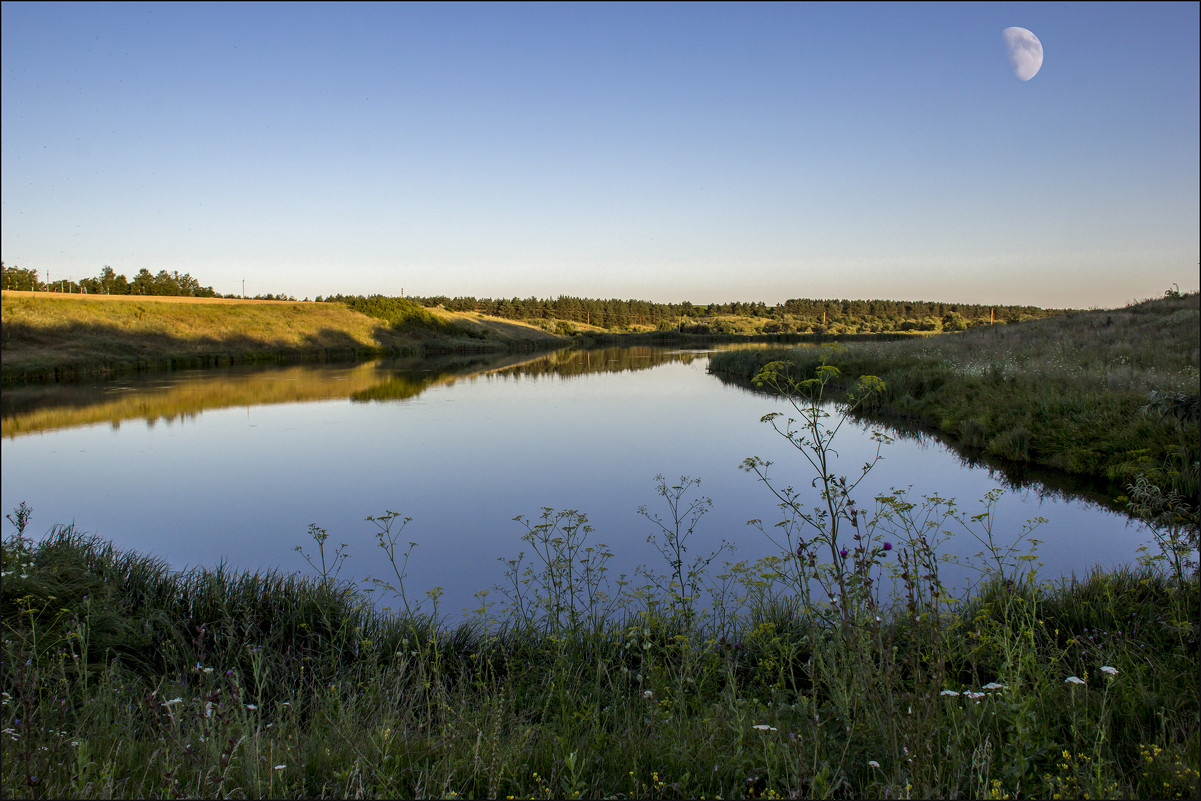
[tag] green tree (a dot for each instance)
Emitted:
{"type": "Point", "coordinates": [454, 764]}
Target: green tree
{"type": "Point", "coordinates": [954, 321]}
{"type": "Point", "coordinates": [143, 283]}
{"type": "Point", "coordinates": [19, 278]}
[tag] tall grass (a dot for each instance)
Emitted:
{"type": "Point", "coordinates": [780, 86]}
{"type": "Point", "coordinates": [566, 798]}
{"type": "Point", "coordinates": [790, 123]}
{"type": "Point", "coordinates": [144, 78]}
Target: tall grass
{"type": "Point", "coordinates": [124, 679]}
{"type": "Point", "coordinates": [1063, 392]}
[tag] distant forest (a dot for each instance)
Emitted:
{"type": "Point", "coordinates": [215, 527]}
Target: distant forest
{"type": "Point", "coordinates": [792, 316]}
{"type": "Point", "coordinates": [563, 314]}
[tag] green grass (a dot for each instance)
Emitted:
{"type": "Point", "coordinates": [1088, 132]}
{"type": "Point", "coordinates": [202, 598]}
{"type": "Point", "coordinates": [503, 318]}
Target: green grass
{"type": "Point", "coordinates": [1062, 392]}
{"type": "Point", "coordinates": [124, 678]}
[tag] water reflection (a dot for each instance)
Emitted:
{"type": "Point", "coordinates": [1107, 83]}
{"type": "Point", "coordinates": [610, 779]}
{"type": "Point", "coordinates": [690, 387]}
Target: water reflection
{"type": "Point", "coordinates": [1044, 483]}
{"type": "Point", "coordinates": [181, 396]}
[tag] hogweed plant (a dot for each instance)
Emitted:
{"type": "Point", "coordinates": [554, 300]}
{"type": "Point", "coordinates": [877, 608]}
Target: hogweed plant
{"type": "Point", "coordinates": [670, 538]}
{"type": "Point", "coordinates": [810, 534]}
{"type": "Point", "coordinates": [329, 571]}
{"type": "Point", "coordinates": [564, 584]}
{"type": "Point", "coordinates": [386, 539]}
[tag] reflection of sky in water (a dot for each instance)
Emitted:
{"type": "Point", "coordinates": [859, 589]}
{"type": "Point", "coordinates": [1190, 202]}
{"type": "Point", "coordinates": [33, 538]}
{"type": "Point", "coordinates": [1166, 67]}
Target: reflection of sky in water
{"type": "Point", "coordinates": [462, 460]}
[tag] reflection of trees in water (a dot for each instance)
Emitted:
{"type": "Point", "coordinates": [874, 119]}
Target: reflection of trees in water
{"type": "Point", "coordinates": [566, 363]}
{"type": "Point", "coordinates": [175, 396]}
{"type": "Point", "coordinates": [410, 379]}
{"type": "Point", "coordinates": [182, 396]}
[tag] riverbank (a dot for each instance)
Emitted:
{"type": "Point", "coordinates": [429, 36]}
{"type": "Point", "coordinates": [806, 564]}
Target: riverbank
{"type": "Point", "coordinates": [1068, 392]}
{"type": "Point", "coordinates": [122, 678]}
{"type": "Point", "coordinates": [49, 337]}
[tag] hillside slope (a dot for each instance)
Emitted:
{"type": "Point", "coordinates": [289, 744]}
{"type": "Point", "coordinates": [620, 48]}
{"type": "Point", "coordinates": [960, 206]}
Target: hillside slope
{"type": "Point", "coordinates": [1072, 393]}
{"type": "Point", "coordinates": [47, 337]}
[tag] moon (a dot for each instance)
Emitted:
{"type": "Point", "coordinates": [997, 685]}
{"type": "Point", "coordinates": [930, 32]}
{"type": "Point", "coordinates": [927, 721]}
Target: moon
{"type": "Point", "coordinates": [1025, 52]}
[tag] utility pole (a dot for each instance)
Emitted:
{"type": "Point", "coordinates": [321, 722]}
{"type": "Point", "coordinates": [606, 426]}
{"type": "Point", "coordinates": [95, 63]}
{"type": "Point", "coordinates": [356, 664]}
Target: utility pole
{"type": "Point", "coordinates": [243, 289]}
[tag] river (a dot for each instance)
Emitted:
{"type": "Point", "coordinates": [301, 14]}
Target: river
{"type": "Point", "coordinates": [234, 465]}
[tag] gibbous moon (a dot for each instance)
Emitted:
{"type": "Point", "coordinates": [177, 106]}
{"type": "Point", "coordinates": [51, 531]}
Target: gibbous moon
{"type": "Point", "coordinates": [1025, 52]}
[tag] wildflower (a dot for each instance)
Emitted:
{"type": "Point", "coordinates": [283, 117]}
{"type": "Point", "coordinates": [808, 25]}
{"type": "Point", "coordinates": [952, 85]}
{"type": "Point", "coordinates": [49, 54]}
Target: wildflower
{"type": "Point", "coordinates": [843, 553]}
{"type": "Point", "coordinates": [647, 694]}
{"type": "Point", "coordinates": [173, 701]}
{"type": "Point", "coordinates": [1112, 671]}
{"type": "Point", "coordinates": [949, 692]}
{"type": "Point", "coordinates": [1073, 680]}
{"type": "Point", "coordinates": [251, 707]}
{"type": "Point", "coordinates": [280, 767]}
{"type": "Point", "coordinates": [871, 763]}
{"type": "Point", "coordinates": [992, 685]}
{"type": "Point", "coordinates": [974, 696]}
{"type": "Point", "coordinates": [764, 727]}
{"type": "Point", "coordinates": [888, 546]}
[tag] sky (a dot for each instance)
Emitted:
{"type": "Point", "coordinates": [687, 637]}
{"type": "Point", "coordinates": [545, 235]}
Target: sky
{"type": "Point", "coordinates": [664, 152]}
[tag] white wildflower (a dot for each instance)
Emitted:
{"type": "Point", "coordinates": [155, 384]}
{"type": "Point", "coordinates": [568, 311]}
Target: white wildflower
{"type": "Point", "coordinates": [764, 727]}
{"type": "Point", "coordinates": [949, 692]}
{"type": "Point", "coordinates": [992, 685]}
{"type": "Point", "coordinates": [1112, 671]}
{"type": "Point", "coordinates": [871, 763]}
{"type": "Point", "coordinates": [1073, 680]}
{"type": "Point", "coordinates": [974, 696]}
{"type": "Point", "coordinates": [251, 707]}
{"type": "Point", "coordinates": [648, 694]}
{"type": "Point", "coordinates": [173, 701]}
{"type": "Point", "coordinates": [280, 767]}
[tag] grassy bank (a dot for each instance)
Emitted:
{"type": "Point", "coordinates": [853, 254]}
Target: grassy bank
{"type": "Point", "coordinates": [1063, 392]}
{"type": "Point", "coordinates": [123, 678]}
{"type": "Point", "coordinates": [52, 337]}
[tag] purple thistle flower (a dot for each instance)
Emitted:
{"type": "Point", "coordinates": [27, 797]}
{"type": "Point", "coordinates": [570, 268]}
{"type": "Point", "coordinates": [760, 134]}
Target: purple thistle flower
{"type": "Point", "coordinates": [843, 553]}
{"type": "Point", "coordinates": [888, 546]}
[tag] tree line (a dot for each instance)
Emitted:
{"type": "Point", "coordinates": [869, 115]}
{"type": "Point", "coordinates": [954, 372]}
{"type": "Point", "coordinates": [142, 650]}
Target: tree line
{"type": "Point", "coordinates": [109, 282]}
{"type": "Point", "coordinates": [797, 315]}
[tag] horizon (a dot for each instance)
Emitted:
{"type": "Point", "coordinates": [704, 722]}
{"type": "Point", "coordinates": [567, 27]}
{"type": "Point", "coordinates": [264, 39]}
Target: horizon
{"type": "Point", "coordinates": [671, 153]}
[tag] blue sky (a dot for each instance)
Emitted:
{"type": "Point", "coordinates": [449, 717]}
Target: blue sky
{"type": "Point", "coordinates": [703, 152]}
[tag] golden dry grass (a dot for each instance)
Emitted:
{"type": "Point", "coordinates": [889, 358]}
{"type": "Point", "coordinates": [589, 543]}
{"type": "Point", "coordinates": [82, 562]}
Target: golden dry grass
{"type": "Point", "coordinates": [51, 335]}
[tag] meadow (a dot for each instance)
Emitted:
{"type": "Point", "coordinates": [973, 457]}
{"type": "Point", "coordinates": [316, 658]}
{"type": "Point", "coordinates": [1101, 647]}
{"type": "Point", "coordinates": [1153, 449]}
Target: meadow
{"type": "Point", "coordinates": [1102, 393]}
{"type": "Point", "coordinates": [50, 337]}
{"type": "Point", "coordinates": [797, 675]}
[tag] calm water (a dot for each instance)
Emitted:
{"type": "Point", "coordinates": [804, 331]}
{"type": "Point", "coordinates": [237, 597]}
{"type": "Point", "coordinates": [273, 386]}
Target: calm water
{"type": "Point", "coordinates": [234, 465]}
